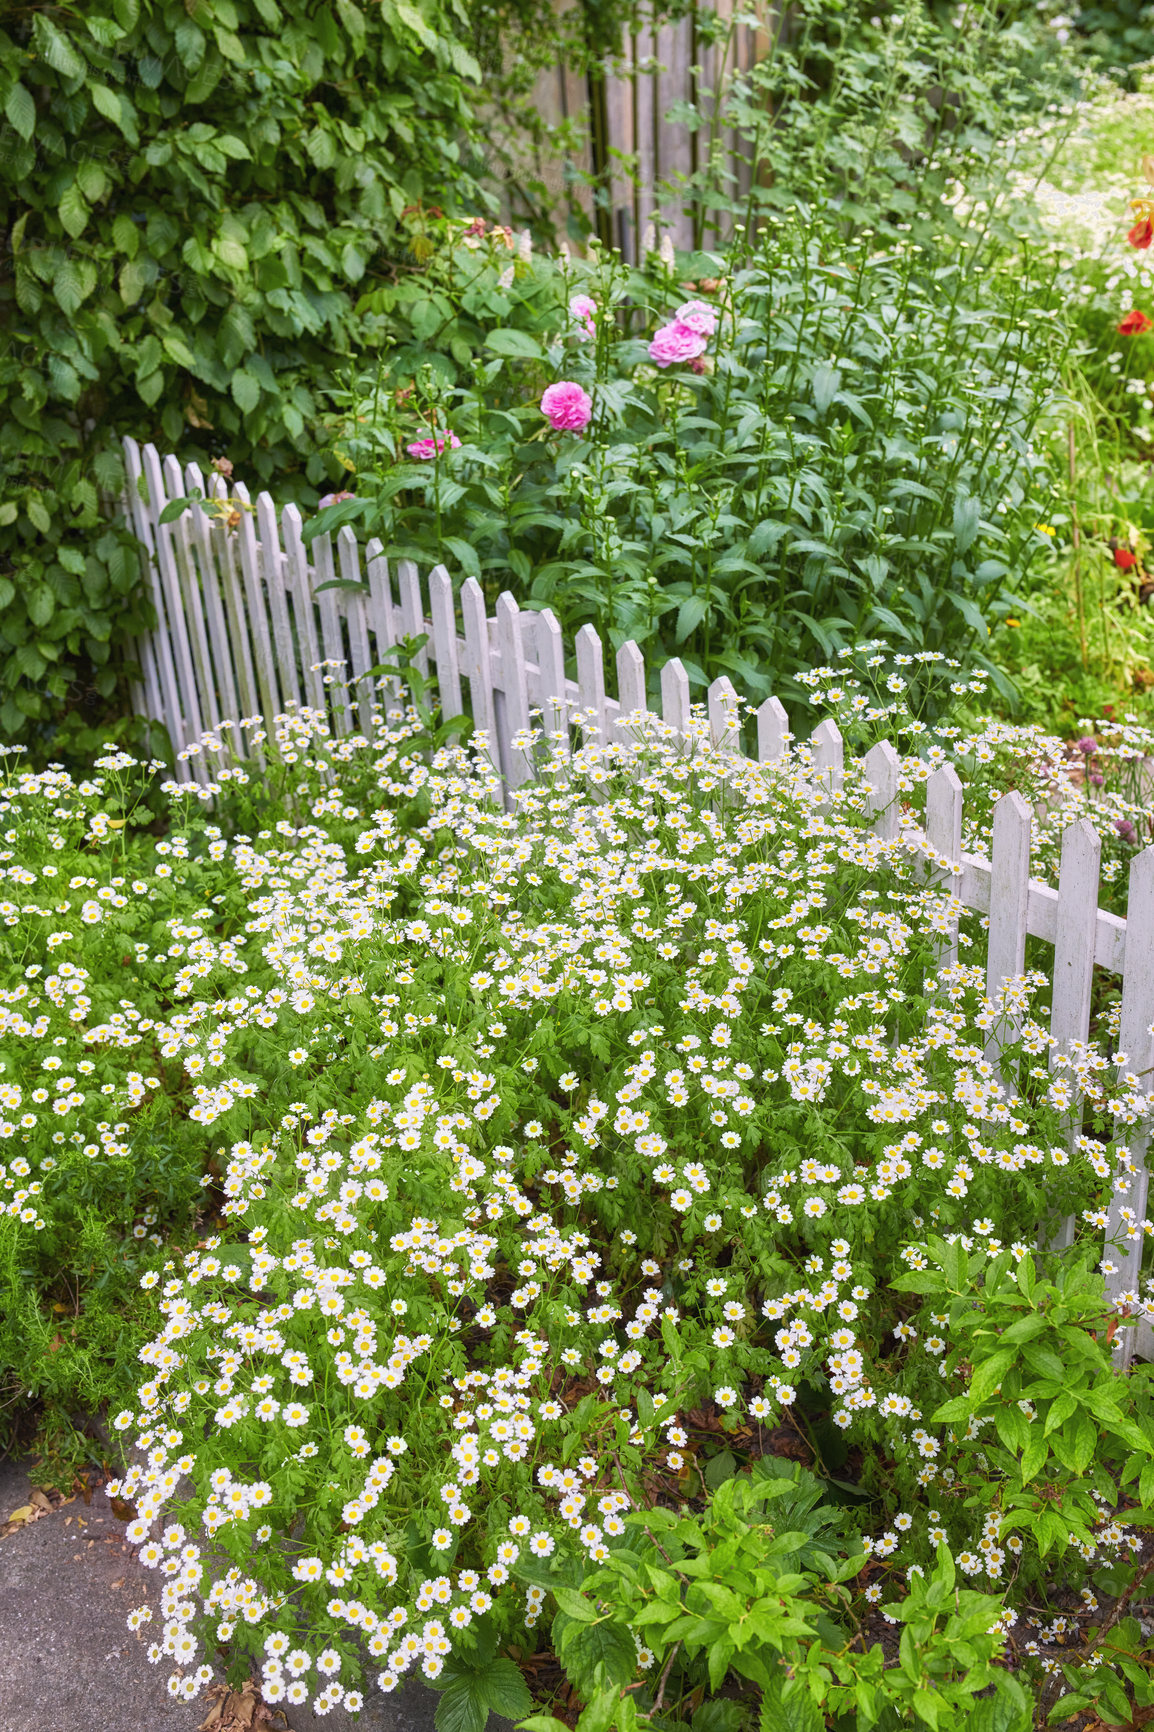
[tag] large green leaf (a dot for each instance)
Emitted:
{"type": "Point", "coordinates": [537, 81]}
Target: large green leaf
{"type": "Point", "coordinates": [518, 345]}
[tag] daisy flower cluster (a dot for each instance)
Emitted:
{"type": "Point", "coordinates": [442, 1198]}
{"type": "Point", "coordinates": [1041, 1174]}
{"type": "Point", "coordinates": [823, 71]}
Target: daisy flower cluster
{"type": "Point", "coordinates": [534, 1135]}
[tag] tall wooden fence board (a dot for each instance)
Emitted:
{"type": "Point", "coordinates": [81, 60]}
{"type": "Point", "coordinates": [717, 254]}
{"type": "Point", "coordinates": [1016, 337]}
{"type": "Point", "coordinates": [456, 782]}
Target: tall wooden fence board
{"type": "Point", "coordinates": [241, 631]}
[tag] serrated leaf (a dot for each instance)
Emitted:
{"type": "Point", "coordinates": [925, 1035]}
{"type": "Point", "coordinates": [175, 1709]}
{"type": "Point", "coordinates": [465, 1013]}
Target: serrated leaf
{"type": "Point", "coordinates": [114, 108]}
{"type": "Point", "coordinates": [20, 111]}
{"type": "Point", "coordinates": [55, 48]}
{"type": "Point", "coordinates": [787, 1706]}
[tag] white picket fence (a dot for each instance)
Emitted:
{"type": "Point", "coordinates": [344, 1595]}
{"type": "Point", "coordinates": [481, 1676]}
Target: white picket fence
{"type": "Point", "coordinates": [240, 632]}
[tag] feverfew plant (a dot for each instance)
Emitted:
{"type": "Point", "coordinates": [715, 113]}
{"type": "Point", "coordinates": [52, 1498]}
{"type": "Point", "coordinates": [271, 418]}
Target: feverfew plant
{"type": "Point", "coordinates": [542, 1131]}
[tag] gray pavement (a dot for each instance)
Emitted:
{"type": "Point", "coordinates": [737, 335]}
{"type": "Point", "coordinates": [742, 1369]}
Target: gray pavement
{"type": "Point", "coordinates": [68, 1663]}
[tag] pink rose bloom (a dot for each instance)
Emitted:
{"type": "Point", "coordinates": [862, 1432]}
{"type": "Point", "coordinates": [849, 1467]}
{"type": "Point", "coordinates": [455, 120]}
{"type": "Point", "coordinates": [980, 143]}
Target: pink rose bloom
{"type": "Point", "coordinates": [334, 499]}
{"type": "Point", "coordinates": [675, 344]}
{"type": "Point", "coordinates": [699, 316]}
{"type": "Point", "coordinates": [567, 407]}
{"type": "Point", "coordinates": [426, 449]}
{"type": "Point", "coordinates": [583, 310]}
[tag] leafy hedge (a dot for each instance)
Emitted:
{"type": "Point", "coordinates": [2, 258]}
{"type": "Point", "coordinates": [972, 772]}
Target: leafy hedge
{"type": "Point", "coordinates": [191, 197]}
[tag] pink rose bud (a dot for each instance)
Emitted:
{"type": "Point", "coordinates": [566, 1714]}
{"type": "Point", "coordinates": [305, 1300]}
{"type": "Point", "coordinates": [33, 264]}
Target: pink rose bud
{"type": "Point", "coordinates": [675, 344]}
{"type": "Point", "coordinates": [567, 407]}
{"type": "Point", "coordinates": [334, 499]}
{"type": "Point", "coordinates": [427, 449]}
{"type": "Point", "coordinates": [699, 316]}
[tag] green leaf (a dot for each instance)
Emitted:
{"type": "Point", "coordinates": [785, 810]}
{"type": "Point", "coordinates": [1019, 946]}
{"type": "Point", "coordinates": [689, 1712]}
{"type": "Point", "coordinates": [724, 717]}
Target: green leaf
{"type": "Point", "coordinates": [20, 111]}
{"type": "Point", "coordinates": [826, 380]}
{"type": "Point", "coordinates": [74, 281]}
{"type": "Point", "coordinates": [245, 390]}
{"type": "Point", "coordinates": [1035, 1454]}
{"type": "Point", "coordinates": [55, 48]}
{"type": "Point", "coordinates": [576, 1605]}
{"type": "Point", "coordinates": [787, 1706]}
{"type": "Point", "coordinates": [1012, 1427]}
{"type": "Point", "coordinates": [690, 615]}
{"type": "Point", "coordinates": [1007, 1710]}
{"type": "Point", "coordinates": [463, 1707]}
{"type": "Point", "coordinates": [74, 210]}
{"type": "Point", "coordinates": [505, 1689]}
{"type": "Point", "coordinates": [41, 604]}
{"type": "Point", "coordinates": [517, 344]}
{"type": "Point", "coordinates": [967, 517]}
{"type": "Point", "coordinates": [115, 108]}
{"type": "Point", "coordinates": [990, 1372]}
{"type": "Point", "coordinates": [465, 554]}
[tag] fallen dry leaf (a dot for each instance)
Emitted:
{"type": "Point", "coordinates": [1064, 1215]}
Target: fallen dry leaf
{"type": "Point", "coordinates": [118, 1583]}
{"type": "Point", "coordinates": [42, 1503]}
{"type": "Point", "coordinates": [240, 1710]}
{"type": "Point", "coordinates": [124, 1512]}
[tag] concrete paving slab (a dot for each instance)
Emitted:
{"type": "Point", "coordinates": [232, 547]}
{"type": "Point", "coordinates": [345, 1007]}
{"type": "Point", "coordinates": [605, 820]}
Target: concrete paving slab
{"type": "Point", "coordinates": [68, 1662]}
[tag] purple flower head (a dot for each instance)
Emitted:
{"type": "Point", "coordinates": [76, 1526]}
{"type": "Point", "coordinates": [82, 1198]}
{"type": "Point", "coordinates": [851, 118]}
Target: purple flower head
{"type": "Point", "coordinates": [334, 499]}
{"type": "Point", "coordinates": [1088, 746]}
{"type": "Point", "coordinates": [1125, 829]}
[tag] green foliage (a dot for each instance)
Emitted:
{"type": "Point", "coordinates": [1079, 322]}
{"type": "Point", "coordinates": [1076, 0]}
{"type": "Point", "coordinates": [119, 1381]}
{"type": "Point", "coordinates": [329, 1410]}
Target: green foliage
{"type": "Point", "coordinates": [191, 199]}
{"type": "Point", "coordinates": [847, 462]}
{"type": "Point", "coordinates": [1037, 1356]}
{"type": "Point", "coordinates": [757, 1586]}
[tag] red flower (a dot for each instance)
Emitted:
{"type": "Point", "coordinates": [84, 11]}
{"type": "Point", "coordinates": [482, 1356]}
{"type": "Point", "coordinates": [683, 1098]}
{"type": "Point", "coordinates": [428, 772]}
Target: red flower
{"type": "Point", "coordinates": [1142, 233]}
{"type": "Point", "coordinates": [1135, 323]}
{"type": "Point", "coordinates": [1124, 559]}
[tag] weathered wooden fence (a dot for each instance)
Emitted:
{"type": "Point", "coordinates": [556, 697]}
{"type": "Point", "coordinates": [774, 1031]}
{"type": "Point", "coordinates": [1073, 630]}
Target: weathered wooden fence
{"type": "Point", "coordinates": [241, 633]}
{"type": "Point", "coordinates": [638, 113]}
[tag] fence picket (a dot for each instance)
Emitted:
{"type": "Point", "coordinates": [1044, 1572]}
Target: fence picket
{"type": "Point", "coordinates": [1137, 1042]}
{"type": "Point", "coordinates": [882, 771]}
{"type": "Point", "coordinates": [630, 686]}
{"type": "Point", "coordinates": [257, 608]}
{"type": "Point", "coordinates": [476, 666]}
{"type": "Point", "coordinates": [332, 642]}
{"type": "Point", "coordinates": [356, 618]}
{"type": "Point", "coordinates": [412, 612]}
{"type": "Point", "coordinates": [675, 710]}
{"type": "Point", "coordinates": [772, 731]}
{"type": "Point", "coordinates": [591, 683]}
{"type": "Point", "coordinates": [444, 634]}
{"type": "Point", "coordinates": [828, 753]}
{"type": "Point", "coordinates": [154, 652]}
{"type": "Point", "coordinates": [222, 557]}
{"type": "Point", "coordinates": [551, 678]}
{"type": "Point", "coordinates": [513, 710]}
{"type": "Point", "coordinates": [1009, 892]}
{"type": "Point", "coordinates": [1073, 975]}
{"type": "Point", "coordinates": [299, 586]}
{"type": "Point", "coordinates": [185, 694]}
{"type": "Point", "coordinates": [944, 835]}
{"type": "Point", "coordinates": [724, 716]}
{"type": "Point", "coordinates": [273, 584]}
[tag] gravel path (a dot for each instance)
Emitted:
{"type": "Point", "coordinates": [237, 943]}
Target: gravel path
{"type": "Point", "coordinates": [67, 1661]}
